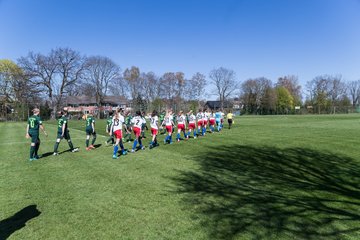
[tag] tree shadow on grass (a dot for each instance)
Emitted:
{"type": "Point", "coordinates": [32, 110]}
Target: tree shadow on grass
{"type": "Point", "coordinates": [270, 193]}
{"type": "Point", "coordinates": [17, 221]}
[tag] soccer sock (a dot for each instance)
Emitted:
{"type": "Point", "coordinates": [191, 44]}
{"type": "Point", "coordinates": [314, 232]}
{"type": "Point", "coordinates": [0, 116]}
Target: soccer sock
{"type": "Point", "coordinates": [140, 142]}
{"type": "Point", "coordinates": [71, 146]}
{"type": "Point", "coordinates": [135, 143]}
{"type": "Point", "coordinates": [37, 146]}
{"type": "Point", "coordinates": [178, 136]}
{"type": "Point", "coordinates": [93, 140]}
{"type": "Point", "coordinates": [116, 148]}
{"type": "Point", "coordinates": [194, 133]}
{"type": "Point", "coordinates": [87, 142]}
{"type": "Point", "coordinates": [32, 150]}
{"type": "Point", "coordinates": [184, 134]}
{"type": "Point", "coordinates": [170, 139]}
{"type": "Point", "coordinates": [121, 146]}
{"type": "Point", "coordinates": [56, 146]}
{"type": "Point", "coordinates": [110, 139]}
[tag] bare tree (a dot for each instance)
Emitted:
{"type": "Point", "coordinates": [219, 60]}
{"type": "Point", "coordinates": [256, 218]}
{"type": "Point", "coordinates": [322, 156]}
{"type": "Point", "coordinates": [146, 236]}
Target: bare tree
{"type": "Point", "coordinates": [168, 85]}
{"type": "Point", "coordinates": [70, 68]}
{"type": "Point", "coordinates": [101, 72]}
{"type": "Point", "coordinates": [132, 76]}
{"type": "Point", "coordinates": [150, 86]}
{"type": "Point", "coordinates": [41, 71]}
{"type": "Point", "coordinates": [354, 91]}
{"type": "Point", "coordinates": [196, 86]}
{"type": "Point", "coordinates": [119, 87]}
{"type": "Point", "coordinates": [319, 91]}
{"type": "Point", "coordinates": [224, 81]}
{"type": "Point", "coordinates": [337, 89]}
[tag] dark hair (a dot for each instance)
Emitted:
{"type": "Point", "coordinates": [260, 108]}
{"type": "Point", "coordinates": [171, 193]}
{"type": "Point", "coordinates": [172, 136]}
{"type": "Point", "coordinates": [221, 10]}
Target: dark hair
{"type": "Point", "coordinates": [154, 113]}
{"type": "Point", "coordinates": [138, 113]}
{"type": "Point", "coordinates": [111, 113]}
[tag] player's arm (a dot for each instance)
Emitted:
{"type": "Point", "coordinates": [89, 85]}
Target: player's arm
{"type": "Point", "coordinates": [93, 125]}
{"type": "Point", "coordinates": [27, 131]}
{"type": "Point", "coordinates": [111, 128]}
{"type": "Point", "coordinates": [63, 128]}
{"type": "Point", "coordinates": [43, 129]}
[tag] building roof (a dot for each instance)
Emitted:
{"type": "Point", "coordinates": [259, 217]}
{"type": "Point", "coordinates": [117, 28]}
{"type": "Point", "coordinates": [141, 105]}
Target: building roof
{"type": "Point", "coordinates": [217, 104]}
{"type": "Point", "coordinates": [77, 100]}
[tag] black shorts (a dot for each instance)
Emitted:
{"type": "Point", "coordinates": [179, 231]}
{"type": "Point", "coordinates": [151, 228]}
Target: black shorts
{"type": "Point", "coordinates": [66, 135]}
{"type": "Point", "coordinates": [230, 121]}
{"type": "Point", "coordinates": [34, 137]}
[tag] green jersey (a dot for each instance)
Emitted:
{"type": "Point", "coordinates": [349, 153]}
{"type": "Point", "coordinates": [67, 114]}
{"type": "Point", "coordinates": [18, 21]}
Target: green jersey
{"type": "Point", "coordinates": [109, 122]}
{"type": "Point", "coordinates": [161, 117]}
{"type": "Point", "coordinates": [128, 120]}
{"type": "Point", "coordinates": [89, 121]}
{"type": "Point", "coordinates": [61, 121]}
{"type": "Point", "coordinates": [34, 124]}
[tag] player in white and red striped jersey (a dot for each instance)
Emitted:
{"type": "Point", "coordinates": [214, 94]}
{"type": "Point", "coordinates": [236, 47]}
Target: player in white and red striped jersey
{"type": "Point", "coordinates": [212, 121]}
{"type": "Point", "coordinates": [154, 125]}
{"type": "Point", "coordinates": [137, 122]}
{"type": "Point", "coordinates": [200, 122]}
{"type": "Point", "coordinates": [206, 117]}
{"type": "Point", "coordinates": [181, 125]}
{"type": "Point", "coordinates": [116, 130]}
{"type": "Point", "coordinates": [169, 124]}
{"type": "Point", "coordinates": [192, 123]}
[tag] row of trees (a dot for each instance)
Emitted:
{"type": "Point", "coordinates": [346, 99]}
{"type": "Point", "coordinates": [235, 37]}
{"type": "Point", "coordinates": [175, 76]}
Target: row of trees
{"type": "Point", "coordinates": [49, 78]}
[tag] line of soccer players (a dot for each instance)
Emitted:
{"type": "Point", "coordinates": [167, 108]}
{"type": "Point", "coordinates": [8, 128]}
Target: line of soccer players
{"type": "Point", "coordinates": [197, 124]}
{"type": "Point", "coordinates": [118, 121]}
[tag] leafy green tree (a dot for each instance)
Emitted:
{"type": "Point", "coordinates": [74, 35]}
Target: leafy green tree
{"type": "Point", "coordinates": [284, 100]}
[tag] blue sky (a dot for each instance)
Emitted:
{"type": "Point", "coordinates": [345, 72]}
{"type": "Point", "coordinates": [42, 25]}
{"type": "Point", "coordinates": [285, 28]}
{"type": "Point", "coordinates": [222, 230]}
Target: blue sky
{"type": "Point", "coordinates": [255, 38]}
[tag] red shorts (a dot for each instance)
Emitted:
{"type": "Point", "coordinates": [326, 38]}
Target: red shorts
{"type": "Point", "coordinates": [169, 129]}
{"type": "Point", "coordinates": [181, 127]}
{"type": "Point", "coordinates": [137, 131]}
{"type": "Point", "coordinates": [154, 131]}
{"type": "Point", "coordinates": [118, 134]}
{"type": "Point", "coordinates": [200, 123]}
{"type": "Point", "coordinates": [205, 122]}
{"type": "Point", "coordinates": [191, 125]}
{"type": "Point", "coordinates": [212, 121]}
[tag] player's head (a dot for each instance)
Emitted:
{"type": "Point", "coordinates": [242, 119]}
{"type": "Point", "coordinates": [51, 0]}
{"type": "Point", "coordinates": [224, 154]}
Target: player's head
{"type": "Point", "coordinates": [111, 113]}
{"type": "Point", "coordinates": [84, 117]}
{"type": "Point", "coordinates": [154, 113]}
{"type": "Point", "coordinates": [36, 111]}
{"type": "Point", "coordinates": [138, 113]}
{"type": "Point", "coordinates": [59, 114]}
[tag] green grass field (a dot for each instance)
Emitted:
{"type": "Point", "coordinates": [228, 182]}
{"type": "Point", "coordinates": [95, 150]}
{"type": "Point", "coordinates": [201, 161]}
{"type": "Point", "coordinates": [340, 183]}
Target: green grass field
{"type": "Point", "coordinates": [270, 177]}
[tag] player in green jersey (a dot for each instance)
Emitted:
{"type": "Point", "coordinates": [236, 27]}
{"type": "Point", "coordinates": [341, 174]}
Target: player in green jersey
{"type": "Point", "coordinates": [32, 131]}
{"type": "Point", "coordinates": [109, 121]}
{"type": "Point", "coordinates": [144, 125]}
{"type": "Point", "coordinates": [63, 132]}
{"type": "Point", "coordinates": [128, 118]}
{"type": "Point", "coordinates": [90, 130]}
{"type": "Point", "coordinates": [161, 121]}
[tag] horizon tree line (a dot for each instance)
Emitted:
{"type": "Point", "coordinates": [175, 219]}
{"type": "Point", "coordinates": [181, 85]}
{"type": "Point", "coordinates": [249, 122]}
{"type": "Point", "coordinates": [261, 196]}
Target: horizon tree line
{"type": "Point", "coordinates": [49, 78]}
